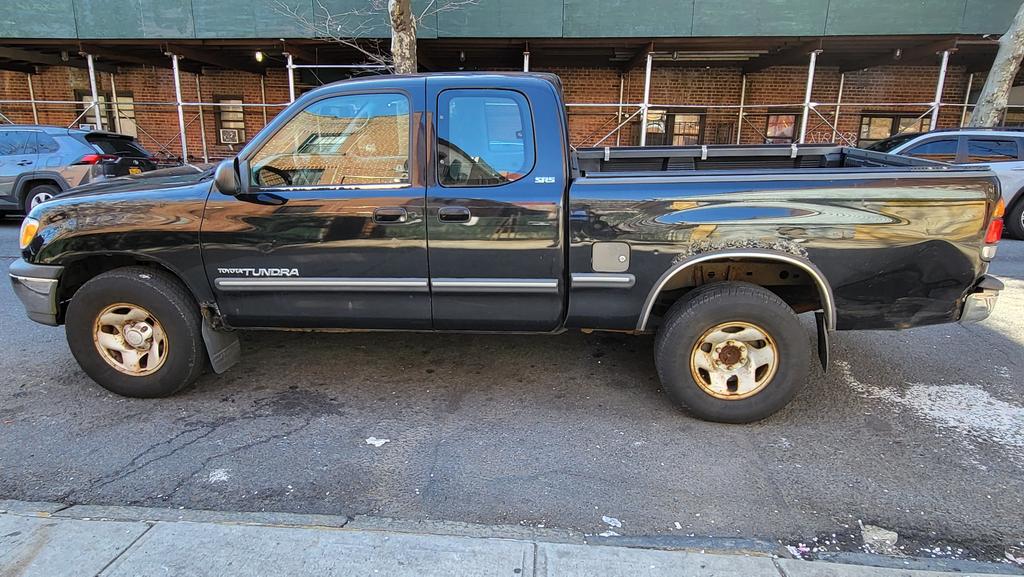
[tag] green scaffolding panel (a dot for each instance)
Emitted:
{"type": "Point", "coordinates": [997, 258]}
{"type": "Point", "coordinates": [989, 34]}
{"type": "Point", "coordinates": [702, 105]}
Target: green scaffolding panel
{"type": "Point", "coordinates": [135, 19]}
{"type": "Point", "coordinates": [763, 18]}
{"type": "Point", "coordinates": [38, 19]}
{"type": "Point", "coordinates": [873, 17]}
{"type": "Point", "coordinates": [989, 16]}
{"type": "Point", "coordinates": [616, 18]}
{"type": "Point", "coordinates": [500, 19]}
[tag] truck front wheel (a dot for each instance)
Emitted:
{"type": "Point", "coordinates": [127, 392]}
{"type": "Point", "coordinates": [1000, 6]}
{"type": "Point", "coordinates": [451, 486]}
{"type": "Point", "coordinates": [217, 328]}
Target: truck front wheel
{"type": "Point", "coordinates": [137, 332]}
{"type": "Point", "coordinates": [732, 352]}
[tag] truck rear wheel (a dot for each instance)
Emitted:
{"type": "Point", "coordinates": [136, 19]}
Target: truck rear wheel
{"type": "Point", "coordinates": [137, 332]}
{"type": "Point", "coordinates": [732, 352]}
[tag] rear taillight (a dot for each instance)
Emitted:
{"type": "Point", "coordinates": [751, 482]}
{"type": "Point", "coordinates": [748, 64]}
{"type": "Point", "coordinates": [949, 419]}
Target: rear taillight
{"type": "Point", "coordinates": [995, 226]}
{"type": "Point", "coordinates": [95, 158]}
{"type": "Point", "coordinates": [994, 232]}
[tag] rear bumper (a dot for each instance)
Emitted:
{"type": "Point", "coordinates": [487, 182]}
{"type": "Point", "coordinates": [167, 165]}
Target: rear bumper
{"type": "Point", "coordinates": [36, 288]}
{"type": "Point", "coordinates": [980, 304]}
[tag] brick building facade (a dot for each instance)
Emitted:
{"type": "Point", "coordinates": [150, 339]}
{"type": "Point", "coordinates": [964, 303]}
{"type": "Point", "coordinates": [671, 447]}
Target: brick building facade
{"type": "Point", "coordinates": [711, 97]}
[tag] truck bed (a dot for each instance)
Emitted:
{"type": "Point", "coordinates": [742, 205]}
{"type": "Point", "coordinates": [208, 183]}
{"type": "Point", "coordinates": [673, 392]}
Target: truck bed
{"type": "Point", "coordinates": [596, 162]}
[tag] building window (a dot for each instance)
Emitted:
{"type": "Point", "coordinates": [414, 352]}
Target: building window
{"type": "Point", "coordinates": [87, 115]}
{"type": "Point", "coordinates": [676, 129]}
{"type": "Point", "coordinates": [781, 128]}
{"type": "Point", "coordinates": [230, 120]}
{"type": "Point", "coordinates": [876, 127]}
{"type": "Point", "coordinates": [124, 115]}
{"type": "Point", "coordinates": [120, 118]}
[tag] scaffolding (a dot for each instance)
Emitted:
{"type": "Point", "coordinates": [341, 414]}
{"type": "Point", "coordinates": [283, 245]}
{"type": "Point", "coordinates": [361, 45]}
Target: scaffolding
{"type": "Point", "coordinates": [615, 117]}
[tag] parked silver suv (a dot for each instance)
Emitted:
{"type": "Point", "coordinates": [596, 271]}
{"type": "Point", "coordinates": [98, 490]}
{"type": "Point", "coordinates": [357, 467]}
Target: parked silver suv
{"type": "Point", "coordinates": [1000, 148]}
{"type": "Point", "coordinates": [38, 162]}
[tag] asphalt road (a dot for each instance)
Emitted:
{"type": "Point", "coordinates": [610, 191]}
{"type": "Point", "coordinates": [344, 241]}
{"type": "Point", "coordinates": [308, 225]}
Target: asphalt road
{"type": "Point", "coordinates": [920, 431]}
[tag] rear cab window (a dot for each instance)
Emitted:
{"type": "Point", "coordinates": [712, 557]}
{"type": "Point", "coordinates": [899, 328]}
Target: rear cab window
{"type": "Point", "coordinates": [484, 137]}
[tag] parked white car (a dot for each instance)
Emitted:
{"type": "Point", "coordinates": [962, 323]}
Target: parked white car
{"type": "Point", "coordinates": [1000, 148]}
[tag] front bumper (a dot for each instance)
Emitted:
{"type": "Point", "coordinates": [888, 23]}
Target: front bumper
{"type": "Point", "coordinates": [980, 304]}
{"type": "Point", "coordinates": [36, 287]}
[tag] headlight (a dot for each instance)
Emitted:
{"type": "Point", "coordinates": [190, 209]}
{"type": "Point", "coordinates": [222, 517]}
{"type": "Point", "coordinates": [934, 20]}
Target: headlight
{"type": "Point", "coordinates": [29, 227]}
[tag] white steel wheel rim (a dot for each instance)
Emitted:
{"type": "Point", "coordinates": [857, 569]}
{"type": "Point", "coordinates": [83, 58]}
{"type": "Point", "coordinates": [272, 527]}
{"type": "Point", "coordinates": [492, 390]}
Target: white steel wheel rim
{"type": "Point", "coordinates": [39, 199]}
{"type": "Point", "coordinates": [130, 339]}
{"type": "Point", "coordinates": [734, 360]}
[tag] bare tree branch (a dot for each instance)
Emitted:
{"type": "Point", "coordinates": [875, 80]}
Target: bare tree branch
{"type": "Point", "coordinates": [354, 28]}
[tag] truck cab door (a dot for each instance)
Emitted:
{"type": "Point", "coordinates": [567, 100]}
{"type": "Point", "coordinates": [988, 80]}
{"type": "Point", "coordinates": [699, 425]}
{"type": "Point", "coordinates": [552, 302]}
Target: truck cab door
{"type": "Point", "coordinates": [494, 205]}
{"type": "Point", "coordinates": [330, 232]}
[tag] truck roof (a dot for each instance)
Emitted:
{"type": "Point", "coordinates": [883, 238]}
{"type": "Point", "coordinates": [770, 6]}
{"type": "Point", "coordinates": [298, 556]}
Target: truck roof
{"type": "Point", "coordinates": [545, 76]}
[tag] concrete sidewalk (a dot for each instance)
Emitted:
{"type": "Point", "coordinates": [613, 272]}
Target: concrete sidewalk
{"type": "Point", "coordinates": [52, 540]}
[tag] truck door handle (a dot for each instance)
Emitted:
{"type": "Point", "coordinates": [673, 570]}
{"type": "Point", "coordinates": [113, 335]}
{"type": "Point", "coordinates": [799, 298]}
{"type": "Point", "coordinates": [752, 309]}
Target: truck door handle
{"type": "Point", "coordinates": [390, 215]}
{"type": "Point", "coordinates": [453, 214]}
{"type": "Point", "coordinates": [24, 162]}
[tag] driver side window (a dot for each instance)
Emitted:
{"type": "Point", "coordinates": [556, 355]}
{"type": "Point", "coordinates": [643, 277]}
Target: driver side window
{"type": "Point", "coordinates": [343, 140]}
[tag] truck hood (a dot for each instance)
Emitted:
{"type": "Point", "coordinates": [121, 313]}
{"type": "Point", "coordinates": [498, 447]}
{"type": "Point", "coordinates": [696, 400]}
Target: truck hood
{"type": "Point", "coordinates": [149, 181]}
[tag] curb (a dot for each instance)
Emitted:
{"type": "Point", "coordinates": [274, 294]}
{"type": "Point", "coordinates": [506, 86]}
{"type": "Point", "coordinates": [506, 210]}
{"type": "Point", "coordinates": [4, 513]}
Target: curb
{"type": "Point", "coordinates": [622, 547]}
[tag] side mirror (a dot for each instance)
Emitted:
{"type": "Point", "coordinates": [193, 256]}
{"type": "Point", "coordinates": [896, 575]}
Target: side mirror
{"type": "Point", "coordinates": [227, 179]}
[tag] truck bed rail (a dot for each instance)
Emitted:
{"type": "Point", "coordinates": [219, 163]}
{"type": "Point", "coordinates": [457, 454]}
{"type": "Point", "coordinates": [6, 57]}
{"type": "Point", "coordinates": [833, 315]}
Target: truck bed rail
{"type": "Point", "coordinates": [596, 162]}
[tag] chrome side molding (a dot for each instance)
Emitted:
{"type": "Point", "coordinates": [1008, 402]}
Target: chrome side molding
{"type": "Point", "coordinates": [492, 285]}
{"type": "Point", "coordinates": [323, 284]}
{"type": "Point", "coordinates": [583, 280]}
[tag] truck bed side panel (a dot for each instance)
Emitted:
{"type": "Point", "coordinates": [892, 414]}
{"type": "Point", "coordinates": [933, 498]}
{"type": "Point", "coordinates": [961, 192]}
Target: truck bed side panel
{"type": "Point", "coordinates": [898, 250]}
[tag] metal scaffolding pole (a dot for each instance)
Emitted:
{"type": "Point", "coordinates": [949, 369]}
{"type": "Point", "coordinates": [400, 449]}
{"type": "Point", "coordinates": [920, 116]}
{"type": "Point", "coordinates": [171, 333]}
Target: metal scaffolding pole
{"type": "Point", "coordinates": [113, 98]}
{"type": "Point", "coordinates": [32, 99]}
{"type": "Point", "coordinates": [743, 101]}
{"type": "Point", "coordinates": [967, 100]}
{"type": "Point", "coordinates": [181, 109]}
{"type": "Point", "coordinates": [618, 115]}
{"type": "Point", "coordinates": [263, 97]}
{"type": "Point", "coordinates": [95, 93]}
{"type": "Point", "coordinates": [807, 95]}
{"type": "Point", "coordinates": [647, 100]}
{"type": "Point", "coordinates": [291, 77]}
{"type": "Point", "coordinates": [202, 119]}
{"type": "Point", "coordinates": [839, 104]}
{"type": "Point", "coordinates": [937, 104]}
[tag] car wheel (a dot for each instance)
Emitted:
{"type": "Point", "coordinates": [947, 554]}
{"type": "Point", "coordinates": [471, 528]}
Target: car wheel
{"type": "Point", "coordinates": [732, 352]}
{"type": "Point", "coordinates": [1015, 220]}
{"type": "Point", "coordinates": [137, 332]}
{"type": "Point", "coordinates": [39, 194]}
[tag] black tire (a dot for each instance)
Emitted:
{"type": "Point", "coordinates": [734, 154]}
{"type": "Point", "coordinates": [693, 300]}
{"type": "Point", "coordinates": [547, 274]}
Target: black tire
{"type": "Point", "coordinates": [709, 306]}
{"type": "Point", "coordinates": [1015, 219]}
{"type": "Point", "coordinates": [169, 303]}
{"type": "Point", "coordinates": [36, 191]}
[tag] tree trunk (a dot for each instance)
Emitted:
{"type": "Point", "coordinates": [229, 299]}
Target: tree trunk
{"type": "Point", "coordinates": [403, 36]}
{"type": "Point", "coordinates": [992, 101]}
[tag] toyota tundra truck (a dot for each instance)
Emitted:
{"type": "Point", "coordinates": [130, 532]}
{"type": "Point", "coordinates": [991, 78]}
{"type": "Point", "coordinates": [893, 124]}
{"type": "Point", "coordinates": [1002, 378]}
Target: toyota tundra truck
{"type": "Point", "coordinates": [455, 202]}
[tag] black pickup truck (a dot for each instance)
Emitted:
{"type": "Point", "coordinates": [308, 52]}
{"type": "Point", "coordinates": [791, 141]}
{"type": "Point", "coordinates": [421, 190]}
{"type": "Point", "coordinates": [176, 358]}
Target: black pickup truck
{"type": "Point", "coordinates": [454, 202]}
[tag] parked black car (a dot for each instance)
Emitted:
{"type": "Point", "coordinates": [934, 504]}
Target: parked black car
{"type": "Point", "coordinates": [38, 162]}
